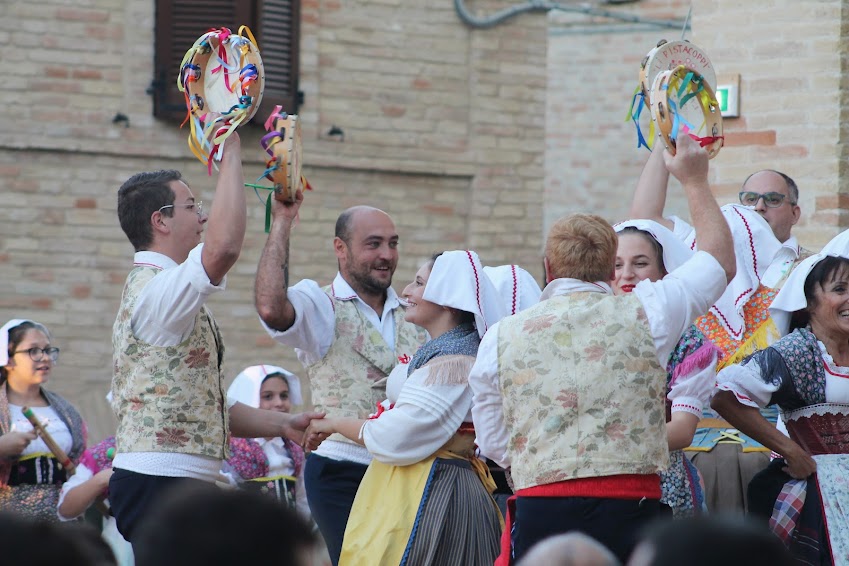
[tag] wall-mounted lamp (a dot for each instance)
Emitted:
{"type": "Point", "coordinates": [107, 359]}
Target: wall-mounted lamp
{"type": "Point", "coordinates": [121, 118]}
{"type": "Point", "coordinates": [336, 131]}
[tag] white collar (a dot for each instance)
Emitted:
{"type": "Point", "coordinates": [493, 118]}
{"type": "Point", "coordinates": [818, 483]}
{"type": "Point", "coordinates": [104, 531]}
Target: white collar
{"type": "Point", "coordinates": [566, 286]}
{"type": "Point", "coordinates": [792, 244]}
{"type": "Point", "coordinates": [153, 259]}
{"type": "Point", "coordinates": [344, 292]}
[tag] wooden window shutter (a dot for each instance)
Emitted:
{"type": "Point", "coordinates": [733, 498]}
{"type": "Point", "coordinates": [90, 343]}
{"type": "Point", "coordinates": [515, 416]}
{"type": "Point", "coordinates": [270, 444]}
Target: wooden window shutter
{"type": "Point", "coordinates": [180, 22]}
{"type": "Point", "coordinates": [278, 34]}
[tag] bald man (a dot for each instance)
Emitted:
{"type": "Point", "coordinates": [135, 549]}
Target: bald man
{"type": "Point", "coordinates": [348, 335]}
{"type": "Point", "coordinates": [773, 195]}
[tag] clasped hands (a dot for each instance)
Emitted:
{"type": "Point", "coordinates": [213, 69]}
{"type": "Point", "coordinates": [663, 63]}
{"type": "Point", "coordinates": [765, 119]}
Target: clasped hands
{"type": "Point", "coordinates": [318, 430]}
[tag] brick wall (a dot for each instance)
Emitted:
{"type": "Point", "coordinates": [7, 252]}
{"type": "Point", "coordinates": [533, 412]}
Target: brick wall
{"type": "Point", "coordinates": [444, 129]}
{"type": "Point", "coordinates": [790, 60]}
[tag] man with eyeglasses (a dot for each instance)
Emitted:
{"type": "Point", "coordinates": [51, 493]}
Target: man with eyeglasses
{"type": "Point", "coordinates": [174, 421]}
{"type": "Point", "coordinates": [773, 195]}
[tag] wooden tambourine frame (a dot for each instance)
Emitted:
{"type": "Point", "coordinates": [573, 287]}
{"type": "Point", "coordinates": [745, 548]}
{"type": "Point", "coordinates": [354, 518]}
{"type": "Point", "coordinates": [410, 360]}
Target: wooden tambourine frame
{"type": "Point", "coordinates": [283, 145]}
{"type": "Point", "coordinates": [667, 55]}
{"type": "Point", "coordinates": [223, 79]}
{"type": "Point", "coordinates": [683, 102]}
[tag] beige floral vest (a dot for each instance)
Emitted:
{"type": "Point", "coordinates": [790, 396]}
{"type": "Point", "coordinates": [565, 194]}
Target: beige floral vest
{"type": "Point", "coordinates": [350, 379]}
{"type": "Point", "coordinates": [168, 399]}
{"type": "Point", "coordinates": [583, 392]}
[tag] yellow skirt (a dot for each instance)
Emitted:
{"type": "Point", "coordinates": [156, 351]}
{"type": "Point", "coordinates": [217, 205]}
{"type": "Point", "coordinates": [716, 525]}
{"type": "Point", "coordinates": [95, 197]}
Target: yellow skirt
{"type": "Point", "coordinates": [384, 512]}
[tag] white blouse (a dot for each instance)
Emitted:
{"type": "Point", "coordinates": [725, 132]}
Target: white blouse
{"type": "Point", "coordinates": [424, 417]}
{"type": "Point", "coordinates": [689, 393]}
{"type": "Point", "coordinates": [751, 390]}
{"type": "Point", "coordinates": [50, 419]}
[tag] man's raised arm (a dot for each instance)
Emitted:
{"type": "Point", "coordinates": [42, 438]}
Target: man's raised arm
{"type": "Point", "coordinates": [690, 166]}
{"type": "Point", "coordinates": [650, 195]}
{"type": "Point", "coordinates": [272, 275]}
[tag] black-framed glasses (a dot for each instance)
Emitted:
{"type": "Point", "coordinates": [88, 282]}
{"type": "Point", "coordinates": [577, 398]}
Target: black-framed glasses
{"type": "Point", "coordinates": [197, 206]}
{"type": "Point", "coordinates": [37, 354]}
{"type": "Point", "coordinates": [772, 200]}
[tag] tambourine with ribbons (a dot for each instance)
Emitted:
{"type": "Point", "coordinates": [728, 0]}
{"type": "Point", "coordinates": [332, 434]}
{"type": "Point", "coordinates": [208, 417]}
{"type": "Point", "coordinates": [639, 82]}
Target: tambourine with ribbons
{"type": "Point", "coordinates": [222, 78]}
{"type": "Point", "coordinates": [682, 102]}
{"type": "Point", "coordinates": [282, 143]}
{"type": "Point", "coordinates": [665, 56]}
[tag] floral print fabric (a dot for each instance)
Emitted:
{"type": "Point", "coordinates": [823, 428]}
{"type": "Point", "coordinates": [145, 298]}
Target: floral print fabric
{"type": "Point", "coordinates": [584, 394]}
{"type": "Point", "coordinates": [168, 399]}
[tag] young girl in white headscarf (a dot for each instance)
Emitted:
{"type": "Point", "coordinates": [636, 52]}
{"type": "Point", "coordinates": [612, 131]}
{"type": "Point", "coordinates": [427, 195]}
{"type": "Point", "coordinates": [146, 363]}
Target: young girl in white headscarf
{"type": "Point", "coordinates": [31, 476]}
{"type": "Point", "coordinates": [269, 465]}
{"type": "Point", "coordinates": [425, 498]}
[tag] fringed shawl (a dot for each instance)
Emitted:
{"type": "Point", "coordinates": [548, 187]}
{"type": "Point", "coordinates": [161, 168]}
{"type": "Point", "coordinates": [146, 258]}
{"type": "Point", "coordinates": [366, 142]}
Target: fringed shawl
{"type": "Point", "coordinates": [462, 340]}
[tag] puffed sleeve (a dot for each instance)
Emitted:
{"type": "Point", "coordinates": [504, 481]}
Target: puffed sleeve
{"type": "Point", "coordinates": [431, 406]}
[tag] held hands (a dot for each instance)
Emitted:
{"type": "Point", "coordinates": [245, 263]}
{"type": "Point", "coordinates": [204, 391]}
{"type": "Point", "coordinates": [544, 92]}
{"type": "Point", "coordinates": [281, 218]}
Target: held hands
{"type": "Point", "coordinates": [295, 425]}
{"type": "Point", "coordinates": [317, 432]}
{"type": "Point", "coordinates": [690, 162]}
{"type": "Point", "coordinates": [13, 443]}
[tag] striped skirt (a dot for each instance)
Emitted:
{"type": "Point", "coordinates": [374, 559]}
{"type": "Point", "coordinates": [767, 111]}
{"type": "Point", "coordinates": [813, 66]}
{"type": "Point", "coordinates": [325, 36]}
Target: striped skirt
{"type": "Point", "coordinates": [457, 523]}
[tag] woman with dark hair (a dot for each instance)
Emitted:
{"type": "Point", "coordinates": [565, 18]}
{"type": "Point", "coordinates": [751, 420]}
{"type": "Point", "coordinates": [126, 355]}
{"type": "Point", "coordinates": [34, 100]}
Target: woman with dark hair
{"type": "Point", "coordinates": [648, 251]}
{"type": "Point", "coordinates": [425, 498]}
{"type": "Point", "coordinates": [31, 477]}
{"type": "Point", "coordinates": [806, 375]}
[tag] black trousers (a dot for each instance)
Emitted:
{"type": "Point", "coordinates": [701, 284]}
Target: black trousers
{"type": "Point", "coordinates": [132, 496]}
{"type": "Point", "coordinates": [615, 523]}
{"type": "Point", "coordinates": [331, 486]}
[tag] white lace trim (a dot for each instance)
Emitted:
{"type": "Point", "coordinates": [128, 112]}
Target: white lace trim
{"type": "Point", "coordinates": [829, 361]}
{"type": "Point", "coordinates": [820, 409]}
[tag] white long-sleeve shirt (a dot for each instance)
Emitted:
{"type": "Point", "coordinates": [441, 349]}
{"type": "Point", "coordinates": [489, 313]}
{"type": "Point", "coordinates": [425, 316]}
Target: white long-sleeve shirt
{"type": "Point", "coordinates": [671, 306]}
{"type": "Point", "coordinates": [311, 335]}
{"type": "Point", "coordinates": [164, 315]}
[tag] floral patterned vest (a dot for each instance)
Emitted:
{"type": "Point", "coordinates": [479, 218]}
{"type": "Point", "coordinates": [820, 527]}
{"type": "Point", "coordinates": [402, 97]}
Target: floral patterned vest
{"type": "Point", "coordinates": [583, 391]}
{"type": "Point", "coordinates": [350, 380]}
{"type": "Point", "coordinates": [168, 399]}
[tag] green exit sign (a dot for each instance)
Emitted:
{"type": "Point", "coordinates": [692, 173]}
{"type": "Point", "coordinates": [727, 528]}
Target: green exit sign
{"type": "Point", "coordinates": [729, 100]}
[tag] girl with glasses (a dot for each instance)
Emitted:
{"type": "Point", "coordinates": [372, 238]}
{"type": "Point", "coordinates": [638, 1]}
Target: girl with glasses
{"type": "Point", "coordinates": [31, 477]}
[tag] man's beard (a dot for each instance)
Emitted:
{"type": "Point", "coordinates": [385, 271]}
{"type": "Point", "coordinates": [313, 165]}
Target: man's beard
{"type": "Point", "coordinates": [370, 284]}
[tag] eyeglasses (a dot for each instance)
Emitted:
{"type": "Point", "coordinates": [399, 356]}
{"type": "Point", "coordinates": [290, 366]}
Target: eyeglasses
{"type": "Point", "coordinates": [37, 354]}
{"type": "Point", "coordinates": [772, 200]}
{"type": "Point", "coordinates": [198, 206]}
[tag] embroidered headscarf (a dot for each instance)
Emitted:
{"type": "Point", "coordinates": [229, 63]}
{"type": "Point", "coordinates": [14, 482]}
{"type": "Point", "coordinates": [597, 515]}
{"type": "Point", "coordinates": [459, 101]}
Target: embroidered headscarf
{"type": "Point", "coordinates": [457, 280]}
{"type": "Point", "coordinates": [791, 298]}
{"type": "Point", "coordinates": [675, 252]}
{"type": "Point", "coordinates": [755, 246]}
{"type": "Point", "coordinates": [518, 288]}
{"type": "Point", "coordinates": [245, 388]}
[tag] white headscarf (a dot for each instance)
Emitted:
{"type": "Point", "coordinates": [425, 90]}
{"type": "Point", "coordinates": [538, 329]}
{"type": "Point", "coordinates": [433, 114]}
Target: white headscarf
{"type": "Point", "coordinates": [755, 246]}
{"type": "Point", "coordinates": [4, 336]}
{"type": "Point", "coordinates": [245, 388]}
{"type": "Point", "coordinates": [791, 297]}
{"type": "Point", "coordinates": [457, 280]}
{"type": "Point", "coordinates": [675, 252]}
{"type": "Point", "coordinates": [518, 288]}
